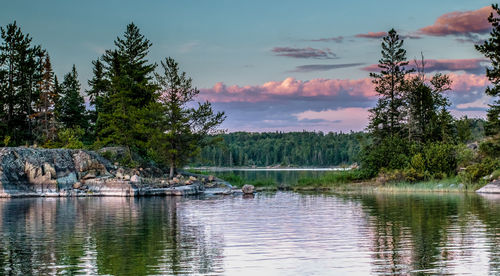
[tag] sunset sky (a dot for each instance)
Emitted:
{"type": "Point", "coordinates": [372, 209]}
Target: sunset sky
{"type": "Point", "coordinates": [274, 65]}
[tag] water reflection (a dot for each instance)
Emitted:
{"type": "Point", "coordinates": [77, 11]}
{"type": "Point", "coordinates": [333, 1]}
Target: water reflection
{"type": "Point", "coordinates": [117, 236]}
{"type": "Point", "coordinates": [281, 233]}
{"type": "Point", "coordinates": [434, 234]}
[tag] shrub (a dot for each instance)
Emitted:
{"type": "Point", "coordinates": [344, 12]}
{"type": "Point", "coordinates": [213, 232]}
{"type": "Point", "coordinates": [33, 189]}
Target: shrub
{"type": "Point", "coordinates": [440, 159]}
{"type": "Point", "coordinates": [473, 173]}
{"type": "Point", "coordinates": [71, 138]}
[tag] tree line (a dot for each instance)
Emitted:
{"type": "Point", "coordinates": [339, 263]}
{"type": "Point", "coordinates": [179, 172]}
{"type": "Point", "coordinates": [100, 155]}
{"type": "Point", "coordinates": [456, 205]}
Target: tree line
{"type": "Point", "coordinates": [282, 149]}
{"type": "Point", "coordinates": [132, 104]}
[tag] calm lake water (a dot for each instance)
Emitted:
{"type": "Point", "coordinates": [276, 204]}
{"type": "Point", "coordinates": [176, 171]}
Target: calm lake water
{"type": "Point", "coordinates": [281, 233]}
{"type": "Point", "coordinates": [280, 176]}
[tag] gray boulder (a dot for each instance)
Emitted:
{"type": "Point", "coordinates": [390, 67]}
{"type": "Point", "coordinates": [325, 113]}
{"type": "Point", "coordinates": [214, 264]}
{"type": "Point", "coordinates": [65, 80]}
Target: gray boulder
{"type": "Point", "coordinates": [491, 188]}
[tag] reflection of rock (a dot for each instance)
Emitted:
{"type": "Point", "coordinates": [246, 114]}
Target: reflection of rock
{"type": "Point", "coordinates": [248, 189]}
{"type": "Point", "coordinates": [491, 188]}
{"type": "Point", "coordinates": [248, 196]}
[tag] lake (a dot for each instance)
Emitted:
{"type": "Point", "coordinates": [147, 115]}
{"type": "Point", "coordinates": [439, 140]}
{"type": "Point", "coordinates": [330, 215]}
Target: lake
{"type": "Point", "coordinates": [281, 176]}
{"type": "Point", "coordinates": [282, 233]}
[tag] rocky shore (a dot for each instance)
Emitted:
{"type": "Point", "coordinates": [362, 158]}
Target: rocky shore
{"type": "Point", "coordinates": [26, 172]}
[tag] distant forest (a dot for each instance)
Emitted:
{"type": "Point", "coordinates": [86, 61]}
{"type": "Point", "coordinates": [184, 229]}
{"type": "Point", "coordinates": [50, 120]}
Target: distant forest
{"type": "Point", "coordinates": [303, 148]}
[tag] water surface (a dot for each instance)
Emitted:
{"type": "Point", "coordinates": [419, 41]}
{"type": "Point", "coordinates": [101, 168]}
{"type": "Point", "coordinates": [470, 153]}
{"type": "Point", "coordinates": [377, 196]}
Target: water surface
{"type": "Point", "coordinates": [281, 233]}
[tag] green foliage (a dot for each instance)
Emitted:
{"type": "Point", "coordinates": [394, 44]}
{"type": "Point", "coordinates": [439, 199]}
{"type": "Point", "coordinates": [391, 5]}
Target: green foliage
{"type": "Point", "coordinates": [71, 138]}
{"type": "Point", "coordinates": [491, 50]}
{"type": "Point", "coordinates": [20, 76]}
{"type": "Point", "coordinates": [389, 84]}
{"type": "Point", "coordinates": [474, 172]}
{"type": "Point", "coordinates": [6, 141]}
{"type": "Point", "coordinates": [490, 147]}
{"type": "Point", "coordinates": [122, 92]}
{"type": "Point", "coordinates": [390, 153]}
{"type": "Point", "coordinates": [440, 159]}
{"type": "Point", "coordinates": [70, 107]}
{"type": "Point", "coordinates": [464, 155]}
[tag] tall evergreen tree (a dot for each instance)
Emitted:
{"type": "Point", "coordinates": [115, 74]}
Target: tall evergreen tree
{"type": "Point", "coordinates": [181, 130]}
{"type": "Point", "coordinates": [385, 118]}
{"type": "Point", "coordinates": [20, 67]}
{"type": "Point", "coordinates": [491, 49]}
{"type": "Point", "coordinates": [130, 92]}
{"type": "Point", "coordinates": [98, 94]}
{"type": "Point", "coordinates": [70, 104]}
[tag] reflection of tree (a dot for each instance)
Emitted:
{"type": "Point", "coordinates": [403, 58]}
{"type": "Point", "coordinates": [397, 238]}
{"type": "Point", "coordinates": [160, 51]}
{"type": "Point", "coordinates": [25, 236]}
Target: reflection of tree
{"type": "Point", "coordinates": [118, 236]}
{"type": "Point", "coordinates": [487, 209]}
{"type": "Point", "coordinates": [410, 231]}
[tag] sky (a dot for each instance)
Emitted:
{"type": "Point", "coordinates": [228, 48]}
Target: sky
{"type": "Point", "coordinates": [274, 65]}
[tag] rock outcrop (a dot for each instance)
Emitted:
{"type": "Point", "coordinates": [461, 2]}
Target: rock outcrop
{"type": "Point", "coordinates": [490, 188]}
{"type": "Point", "coordinates": [65, 172]}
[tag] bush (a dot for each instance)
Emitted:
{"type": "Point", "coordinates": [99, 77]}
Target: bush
{"type": "Point", "coordinates": [490, 148]}
{"type": "Point", "coordinates": [473, 173]}
{"type": "Point", "coordinates": [440, 159]}
{"type": "Point", "coordinates": [464, 155]}
{"type": "Point", "coordinates": [390, 153]}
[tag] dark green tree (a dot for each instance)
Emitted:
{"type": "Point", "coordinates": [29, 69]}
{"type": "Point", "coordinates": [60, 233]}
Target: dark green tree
{"type": "Point", "coordinates": [428, 119]}
{"type": "Point", "coordinates": [98, 94]}
{"type": "Point", "coordinates": [124, 115]}
{"type": "Point", "coordinates": [491, 49]}
{"type": "Point", "coordinates": [181, 130]}
{"type": "Point", "coordinates": [20, 71]}
{"type": "Point", "coordinates": [386, 117]}
{"type": "Point", "coordinates": [71, 104]}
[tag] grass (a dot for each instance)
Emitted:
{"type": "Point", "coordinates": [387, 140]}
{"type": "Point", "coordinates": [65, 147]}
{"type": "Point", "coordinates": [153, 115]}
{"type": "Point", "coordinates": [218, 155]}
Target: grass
{"type": "Point", "coordinates": [352, 181]}
{"type": "Point", "coordinates": [451, 184]}
{"type": "Point", "coordinates": [329, 180]}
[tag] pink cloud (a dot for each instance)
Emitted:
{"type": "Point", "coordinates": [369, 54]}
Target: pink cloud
{"type": "Point", "coordinates": [468, 82]}
{"type": "Point", "coordinates": [372, 35]}
{"type": "Point", "coordinates": [473, 65]}
{"type": "Point", "coordinates": [460, 23]}
{"type": "Point", "coordinates": [289, 87]}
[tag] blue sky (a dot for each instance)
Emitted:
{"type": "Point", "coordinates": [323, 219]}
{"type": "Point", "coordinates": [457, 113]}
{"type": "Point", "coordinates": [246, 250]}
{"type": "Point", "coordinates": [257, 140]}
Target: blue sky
{"type": "Point", "coordinates": [247, 48]}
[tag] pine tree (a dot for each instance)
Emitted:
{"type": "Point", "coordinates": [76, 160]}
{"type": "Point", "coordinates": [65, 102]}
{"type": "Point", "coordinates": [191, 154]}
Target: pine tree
{"type": "Point", "coordinates": [124, 115]}
{"type": "Point", "coordinates": [98, 94]}
{"type": "Point", "coordinates": [181, 130]}
{"type": "Point", "coordinates": [20, 67]}
{"type": "Point", "coordinates": [70, 104]}
{"type": "Point", "coordinates": [386, 117]}
{"type": "Point", "coordinates": [491, 49]}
